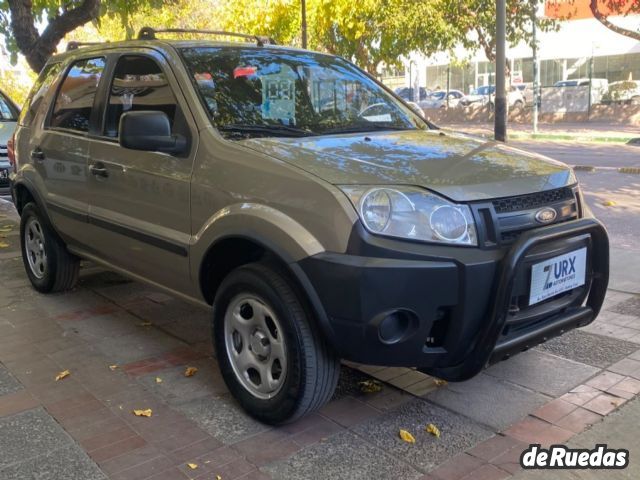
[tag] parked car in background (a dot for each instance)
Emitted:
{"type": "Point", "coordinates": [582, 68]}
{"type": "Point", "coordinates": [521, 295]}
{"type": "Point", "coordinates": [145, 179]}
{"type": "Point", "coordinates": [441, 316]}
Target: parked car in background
{"type": "Point", "coordinates": [599, 86]}
{"type": "Point", "coordinates": [526, 89]}
{"type": "Point", "coordinates": [481, 95]}
{"type": "Point", "coordinates": [627, 91]}
{"type": "Point", "coordinates": [8, 118]}
{"type": "Point", "coordinates": [407, 93]}
{"type": "Point", "coordinates": [438, 99]}
{"type": "Point", "coordinates": [515, 98]}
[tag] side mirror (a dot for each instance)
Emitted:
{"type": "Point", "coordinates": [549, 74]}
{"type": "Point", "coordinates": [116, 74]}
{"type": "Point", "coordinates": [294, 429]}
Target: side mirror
{"type": "Point", "coordinates": [149, 131]}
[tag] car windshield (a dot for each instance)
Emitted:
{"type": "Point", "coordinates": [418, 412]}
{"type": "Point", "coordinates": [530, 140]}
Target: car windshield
{"type": "Point", "coordinates": [8, 112]}
{"type": "Point", "coordinates": [271, 92]}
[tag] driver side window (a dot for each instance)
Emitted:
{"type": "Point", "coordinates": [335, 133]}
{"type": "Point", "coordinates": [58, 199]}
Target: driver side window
{"type": "Point", "coordinates": [138, 84]}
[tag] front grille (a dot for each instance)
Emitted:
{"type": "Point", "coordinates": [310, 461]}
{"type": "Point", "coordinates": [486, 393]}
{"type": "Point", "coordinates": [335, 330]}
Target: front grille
{"type": "Point", "coordinates": [533, 200]}
{"type": "Point", "coordinates": [3, 151]}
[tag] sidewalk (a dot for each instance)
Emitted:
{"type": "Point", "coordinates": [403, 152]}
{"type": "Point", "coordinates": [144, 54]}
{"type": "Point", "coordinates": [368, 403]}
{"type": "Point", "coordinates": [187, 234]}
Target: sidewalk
{"type": "Point", "coordinates": [562, 131]}
{"type": "Point", "coordinates": [127, 346]}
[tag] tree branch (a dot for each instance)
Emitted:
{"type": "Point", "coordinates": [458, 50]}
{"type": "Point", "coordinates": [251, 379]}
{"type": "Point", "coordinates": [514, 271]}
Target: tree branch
{"type": "Point", "coordinates": [38, 48]}
{"type": "Point", "coordinates": [604, 20]}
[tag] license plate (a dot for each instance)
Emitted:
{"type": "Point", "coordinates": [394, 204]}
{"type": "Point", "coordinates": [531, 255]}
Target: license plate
{"type": "Point", "coordinates": [557, 275]}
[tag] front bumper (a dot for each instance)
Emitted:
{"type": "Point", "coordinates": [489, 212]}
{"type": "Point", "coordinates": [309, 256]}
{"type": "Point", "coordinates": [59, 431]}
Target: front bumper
{"type": "Point", "coordinates": [455, 310]}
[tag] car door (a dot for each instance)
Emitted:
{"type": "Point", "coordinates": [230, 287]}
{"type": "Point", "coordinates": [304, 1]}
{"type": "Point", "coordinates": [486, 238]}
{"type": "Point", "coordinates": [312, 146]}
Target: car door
{"type": "Point", "coordinates": [139, 207]}
{"type": "Point", "coordinates": [58, 149]}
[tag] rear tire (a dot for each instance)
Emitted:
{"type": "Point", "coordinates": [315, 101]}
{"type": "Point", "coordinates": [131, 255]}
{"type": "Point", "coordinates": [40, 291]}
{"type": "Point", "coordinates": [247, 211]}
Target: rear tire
{"type": "Point", "coordinates": [49, 265]}
{"type": "Point", "coordinates": [272, 356]}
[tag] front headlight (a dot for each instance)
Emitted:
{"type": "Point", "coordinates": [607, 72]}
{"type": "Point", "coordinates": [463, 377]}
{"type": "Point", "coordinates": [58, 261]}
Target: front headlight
{"type": "Point", "coordinates": [413, 213]}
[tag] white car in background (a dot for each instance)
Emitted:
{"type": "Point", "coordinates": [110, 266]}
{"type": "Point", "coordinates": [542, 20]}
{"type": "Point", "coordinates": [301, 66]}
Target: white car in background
{"type": "Point", "coordinates": [438, 99]}
{"type": "Point", "coordinates": [8, 121]}
{"type": "Point", "coordinates": [626, 91]}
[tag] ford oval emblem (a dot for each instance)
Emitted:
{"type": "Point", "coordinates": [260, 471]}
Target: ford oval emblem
{"type": "Point", "coordinates": [546, 215]}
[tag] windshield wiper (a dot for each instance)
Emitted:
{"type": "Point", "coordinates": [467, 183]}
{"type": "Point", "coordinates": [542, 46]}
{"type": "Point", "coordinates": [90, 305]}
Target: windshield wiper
{"type": "Point", "coordinates": [372, 127]}
{"type": "Point", "coordinates": [281, 130]}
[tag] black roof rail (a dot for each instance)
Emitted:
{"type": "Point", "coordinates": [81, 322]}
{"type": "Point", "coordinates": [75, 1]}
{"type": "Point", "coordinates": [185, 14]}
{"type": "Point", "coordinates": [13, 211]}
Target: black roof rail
{"type": "Point", "coordinates": [76, 45]}
{"type": "Point", "coordinates": [148, 33]}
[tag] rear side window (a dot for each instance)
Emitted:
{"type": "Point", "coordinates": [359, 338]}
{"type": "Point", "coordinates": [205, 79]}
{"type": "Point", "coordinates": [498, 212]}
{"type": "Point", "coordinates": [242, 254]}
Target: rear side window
{"type": "Point", "coordinates": [138, 84]}
{"type": "Point", "coordinates": [7, 110]}
{"type": "Point", "coordinates": [38, 92]}
{"type": "Point", "coordinates": [74, 102]}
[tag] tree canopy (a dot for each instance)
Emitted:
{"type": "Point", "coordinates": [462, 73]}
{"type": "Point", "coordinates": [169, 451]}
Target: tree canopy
{"type": "Point", "coordinates": [368, 32]}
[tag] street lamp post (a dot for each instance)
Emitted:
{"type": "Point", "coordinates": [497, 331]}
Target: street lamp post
{"type": "Point", "coordinates": [500, 127]}
{"type": "Point", "coordinates": [303, 8]}
{"type": "Point", "coordinates": [536, 65]}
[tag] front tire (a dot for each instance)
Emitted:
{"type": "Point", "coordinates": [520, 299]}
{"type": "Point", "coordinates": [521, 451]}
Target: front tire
{"type": "Point", "coordinates": [49, 265]}
{"type": "Point", "coordinates": [272, 356]}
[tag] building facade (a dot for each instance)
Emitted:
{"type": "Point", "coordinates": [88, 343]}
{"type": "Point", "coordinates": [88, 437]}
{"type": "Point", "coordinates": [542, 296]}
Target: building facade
{"type": "Point", "coordinates": [581, 48]}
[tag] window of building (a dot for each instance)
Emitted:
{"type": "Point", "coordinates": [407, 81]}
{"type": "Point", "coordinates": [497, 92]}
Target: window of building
{"type": "Point", "coordinates": [138, 84]}
{"type": "Point", "coordinates": [74, 102]}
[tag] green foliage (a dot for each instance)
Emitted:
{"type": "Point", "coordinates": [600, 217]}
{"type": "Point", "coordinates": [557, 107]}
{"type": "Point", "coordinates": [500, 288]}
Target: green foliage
{"type": "Point", "coordinates": [16, 83]}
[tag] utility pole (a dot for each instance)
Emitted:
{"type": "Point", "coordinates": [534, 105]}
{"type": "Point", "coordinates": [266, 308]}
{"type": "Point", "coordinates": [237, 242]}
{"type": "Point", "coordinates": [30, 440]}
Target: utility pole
{"type": "Point", "coordinates": [448, 82]}
{"type": "Point", "coordinates": [303, 7]}
{"type": "Point", "coordinates": [536, 65]}
{"type": "Point", "coordinates": [500, 128]}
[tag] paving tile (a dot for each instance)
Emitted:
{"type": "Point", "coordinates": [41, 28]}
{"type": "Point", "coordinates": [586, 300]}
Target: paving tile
{"type": "Point", "coordinates": [176, 388]}
{"type": "Point", "coordinates": [16, 402]}
{"type": "Point", "coordinates": [348, 411]}
{"type": "Point", "coordinates": [29, 434]}
{"type": "Point", "coordinates": [487, 472]}
{"type": "Point", "coordinates": [488, 400]}
{"type": "Point", "coordinates": [458, 433]}
{"type": "Point", "coordinates": [190, 452]}
{"type": "Point", "coordinates": [510, 460]}
{"type": "Point", "coordinates": [628, 367]}
{"type": "Point", "coordinates": [410, 378]}
{"type": "Point", "coordinates": [605, 380]}
{"type": "Point", "coordinates": [145, 470]}
{"type": "Point", "coordinates": [495, 447]}
{"type": "Point", "coordinates": [172, 474]}
{"type": "Point", "coordinates": [589, 348]}
{"type": "Point", "coordinates": [532, 370]}
{"type": "Point", "coordinates": [387, 399]}
{"type": "Point", "coordinates": [554, 410]}
{"type": "Point", "coordinates": [533, 430]}
{"type": "Point", "coordinates": [222, 418]}
{"type": "Point", "coordinates": [630, 385]}
{"type": "Point", "coordinates": [117, 448]}
{"type": "Point", "coordinates": [230, 471]}
{"type": "Point", "coordinates": [579, 420]}
{"type": "Point", "coordinates": [8, 383]}
{"type": "Point", "coordinates": [629, 306]}
{"type": "Point", "coordinates": [67, 463]}
{"type": "Point", "coordinates": [344, 456]}
{"type": "Point", "coordinates": [145, 343]}
{"type": "Point", "coordinates": [457, 467]}
{"type": "Point", "coordinates": [603, 404]}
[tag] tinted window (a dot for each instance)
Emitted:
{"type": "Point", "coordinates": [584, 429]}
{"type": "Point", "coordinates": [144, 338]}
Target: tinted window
{"type": "Point", "coordinates": [38, 92]}
{"type": "Point", "coordinates": [138, 84]}
{"type": "Point", "coordinates": [74, 102]}
{"type": "Point", "coordinates": [7, 111]}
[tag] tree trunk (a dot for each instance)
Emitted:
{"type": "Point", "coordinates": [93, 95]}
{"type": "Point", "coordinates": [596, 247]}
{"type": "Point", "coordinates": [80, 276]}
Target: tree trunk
{"type": "Point", "coordinates": [605, 21]}
{"type": "Point", "coordinates": [38, 48]}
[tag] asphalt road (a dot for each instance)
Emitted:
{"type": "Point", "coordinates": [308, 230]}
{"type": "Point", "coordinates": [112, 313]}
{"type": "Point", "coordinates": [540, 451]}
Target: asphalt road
{"type": "Point", "coordinates": [605, 184]}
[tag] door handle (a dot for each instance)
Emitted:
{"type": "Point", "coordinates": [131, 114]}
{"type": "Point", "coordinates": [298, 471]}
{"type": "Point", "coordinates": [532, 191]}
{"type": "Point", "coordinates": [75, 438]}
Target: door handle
{"type": "Point", "coordinates": [38, 155]}
{"type": "Point", "coordinates": [99, 170]}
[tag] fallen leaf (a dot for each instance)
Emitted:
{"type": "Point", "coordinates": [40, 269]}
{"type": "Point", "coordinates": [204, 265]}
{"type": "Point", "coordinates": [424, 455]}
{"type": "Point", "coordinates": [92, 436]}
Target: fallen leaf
{"type": "Point", "coordinates": [146, 323]}
{"type": "Point", "coordinates": [63, 374]}
{"type": "Point", "coordinates": [406, 436]}
{"type": "Point", "coordinates": [143, 413]}
{"type": "Point", "coordinates": [113, 367]}
{"type": "Point", "coordinates": [218, 477]}
{"type": "Point", "coordinates": [440, 383]}
{"type": "Point", "coordinates": [190, 371]}
{"type": "Point", "coordinates": [4, 245]}
{"type": "Point", "coordinates": [609, 203]}
{"type": "Point", "coordinates": [370, 386]}
{"type": "Point", "coordinates": [433, 430]}
{"type": "Point", "coordinates": [158, 380]}
{"type": "Point", "coordinates": [192, 466]}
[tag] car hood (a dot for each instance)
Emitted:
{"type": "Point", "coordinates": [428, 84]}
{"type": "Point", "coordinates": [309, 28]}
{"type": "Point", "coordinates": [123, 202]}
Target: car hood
{"type": "Point", "coordinates": [6, 131]}
{"type": "Point", "coordinates": [461, 167]}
